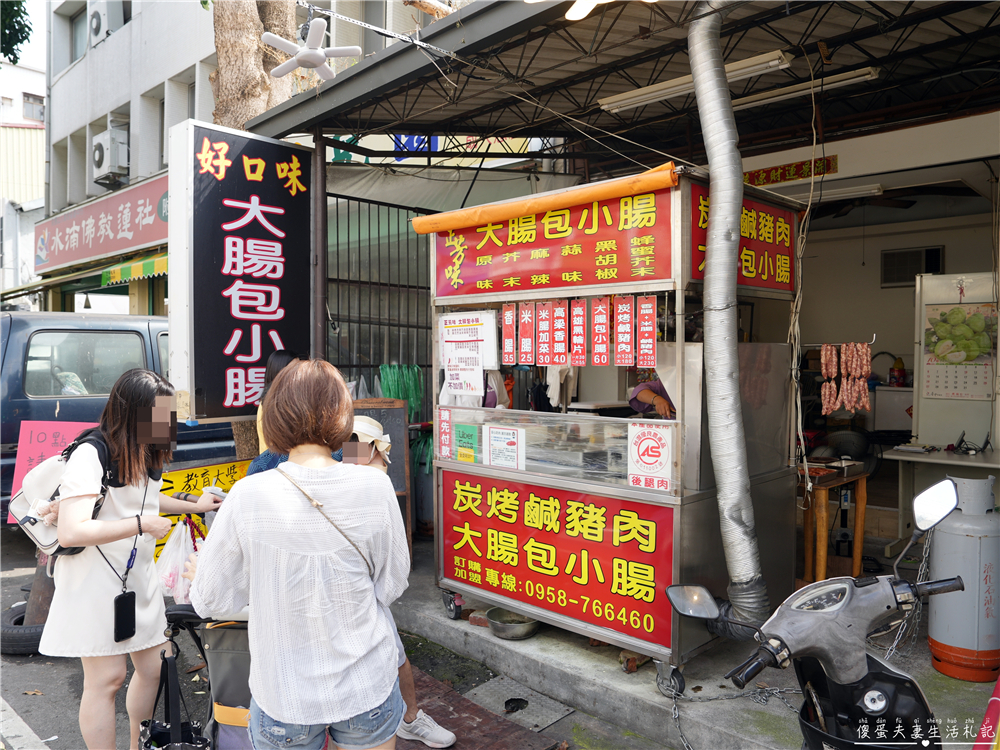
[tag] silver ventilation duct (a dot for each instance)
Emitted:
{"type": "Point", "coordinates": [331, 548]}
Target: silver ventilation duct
{"type": "Point", "coordinates": [748, 601]}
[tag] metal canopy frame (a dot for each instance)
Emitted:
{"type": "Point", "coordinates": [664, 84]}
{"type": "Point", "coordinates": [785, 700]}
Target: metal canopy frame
{"type": "Point", "coordinates": [938, 61]}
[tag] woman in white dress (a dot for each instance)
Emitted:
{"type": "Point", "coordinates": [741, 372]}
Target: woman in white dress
{"type": "Point", "coordinates": [138, 426]}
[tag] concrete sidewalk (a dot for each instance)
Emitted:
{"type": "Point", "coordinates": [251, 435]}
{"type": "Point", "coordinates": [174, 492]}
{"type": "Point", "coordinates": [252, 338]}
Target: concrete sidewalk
{"type": "Point", "coordinates": [711, 714]}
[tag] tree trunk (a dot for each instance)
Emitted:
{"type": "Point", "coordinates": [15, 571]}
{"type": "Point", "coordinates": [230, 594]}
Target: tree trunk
{"type": "Point", "coordinates": [245, 437]}
{"type": "Point", "coordinates": [243, 89]}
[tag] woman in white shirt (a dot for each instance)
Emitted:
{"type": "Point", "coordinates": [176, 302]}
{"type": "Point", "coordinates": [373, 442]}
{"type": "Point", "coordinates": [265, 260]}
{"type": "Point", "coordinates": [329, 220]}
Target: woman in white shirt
{"type": "Point", "coordinates": [318, 550]}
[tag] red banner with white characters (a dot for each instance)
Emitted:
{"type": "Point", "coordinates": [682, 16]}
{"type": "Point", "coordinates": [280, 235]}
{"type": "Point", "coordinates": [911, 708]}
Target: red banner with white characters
{"type": "Point", "coordinates": [578, 333]}
{"type": "Point", "coordinates": [619, 241]}
{"type": "Point", "coordinates": [526, 333]}
{"type": "Point", "coordinates": [509, 325]}
{"type": "Point", "coordinates": [767, 243]}
{"type": "Point", "coordinates": [645, 317]}
{"type": "Point", "coordinates": [116, 224]}
{"type": "Point", "coordinates": [543, 333]}
{"type": "Point", "coordinates": [600, 326]}
{"type": "Point", "coordinates": [444, 433]}
{"type": "Point", "coordinates": [624, 331]}
{"type": "Point", "coordinates": [560, 333]}
{"type": "Point", "coordinates": [596, 559]}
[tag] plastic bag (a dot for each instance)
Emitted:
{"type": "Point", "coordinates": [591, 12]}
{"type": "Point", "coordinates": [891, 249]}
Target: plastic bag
{"type": "Point", "coordinates": [170, 564]}
{"type": "Point", "coordinates": [363, 391]}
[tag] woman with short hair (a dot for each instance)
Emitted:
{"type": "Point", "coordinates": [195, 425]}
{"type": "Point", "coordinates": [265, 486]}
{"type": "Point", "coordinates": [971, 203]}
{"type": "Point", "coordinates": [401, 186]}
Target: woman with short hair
{"type": "Point", "coordinates": [101, 589]}
{"type": "Point", "coordinates": [318, 551]}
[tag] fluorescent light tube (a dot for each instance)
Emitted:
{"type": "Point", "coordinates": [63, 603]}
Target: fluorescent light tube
{"type": "Point", "coordinates": [735, 71]}
{"type": "Point", "coordinates": [839, 194]}
{"type": "Point", "coordinates": [802, 89]}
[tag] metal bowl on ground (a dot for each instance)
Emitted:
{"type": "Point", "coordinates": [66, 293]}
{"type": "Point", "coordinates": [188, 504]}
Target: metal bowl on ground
{"type": "Point", "coordinates": [509, 625]}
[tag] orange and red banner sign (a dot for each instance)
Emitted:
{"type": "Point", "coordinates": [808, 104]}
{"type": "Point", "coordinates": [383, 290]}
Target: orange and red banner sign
{"type": "Point", "coordinates": [619, 241]}
{"type": "Point", "coordinates": [767, 243]}
{"type": "Point", "coordinates": [596, 559]}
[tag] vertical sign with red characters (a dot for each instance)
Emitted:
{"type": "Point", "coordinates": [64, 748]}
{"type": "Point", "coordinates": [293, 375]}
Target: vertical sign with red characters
{"type": "Point", "coordinates": [624, 331]}
{"type": "Point", "coordinates": [600, 324]}
{"type": "Point", "coordinates": [509, 326]}
{"type": "Point", "coordinates": [578, 333]}
{"type": "Point", "coordinates": [526, 333]}
{"type": "Point", "coordinates": [645, 317]}
{"type": "Point", "coordinates": [444, 433]}
{"type": "Point", "coordinates": [543, 333]}
{"type": "Point", "coordinates": [239, 248]}
{"type": "Point", "coordinates": [560, 333]}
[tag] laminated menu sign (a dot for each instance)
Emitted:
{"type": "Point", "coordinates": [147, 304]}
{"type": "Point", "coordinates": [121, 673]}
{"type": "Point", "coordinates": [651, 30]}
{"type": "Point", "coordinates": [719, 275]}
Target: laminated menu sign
{"type": "Point", "coordinates": [650, 458]}
{"type": "Point", "coordinates": [600, 325]}
{"type": "Point", "coordinates": [578, 333]}
{"type": "Point", "coordinates": [594, 559]}
{"type": "Point", "coordinates": [466, 442]}
{"type": "Point", "coordinates": [646, 332]}
{"type": "Point", "coordinates": [509, 325]}
{"type": "Point", "coordinates": [461, 339]}
{"type": "Point", "coordinates": [526, 333]}
{"type": "Point", "coordinates": [560, 333]}
{"type": "Point", "coordinates": [624, 331]}
{"type": "Point", "coordinates": [543, 333]}
{"type": "Point", "coordinates": [504, 447]}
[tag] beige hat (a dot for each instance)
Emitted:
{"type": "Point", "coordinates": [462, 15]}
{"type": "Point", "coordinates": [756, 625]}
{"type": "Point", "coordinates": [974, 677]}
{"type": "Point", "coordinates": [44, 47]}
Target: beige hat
{"type": "Point", "coordinates": [369, 431]}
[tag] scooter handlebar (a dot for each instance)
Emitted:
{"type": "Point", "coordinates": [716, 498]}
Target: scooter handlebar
{"type": "Point", "coordinates": [942, 586]}
{"type": "Point", "coordinates": [748, 670]}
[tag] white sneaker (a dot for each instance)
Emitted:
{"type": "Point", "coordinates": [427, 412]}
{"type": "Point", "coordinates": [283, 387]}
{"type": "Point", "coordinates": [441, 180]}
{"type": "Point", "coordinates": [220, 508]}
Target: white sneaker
{"type": "Point", "coordinates": [426, 730]}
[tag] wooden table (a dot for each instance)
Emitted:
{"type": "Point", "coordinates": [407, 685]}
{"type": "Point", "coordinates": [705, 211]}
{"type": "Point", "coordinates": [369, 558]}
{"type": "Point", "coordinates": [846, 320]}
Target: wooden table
{"type": "Point", "coordinates": [816, 521]}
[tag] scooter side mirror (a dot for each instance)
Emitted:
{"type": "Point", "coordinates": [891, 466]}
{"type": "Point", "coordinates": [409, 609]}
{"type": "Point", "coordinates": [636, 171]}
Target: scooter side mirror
{"type": "Point", "coordinates": [932, 505]}
{"type": "Point", "coordinates": [693, 601]}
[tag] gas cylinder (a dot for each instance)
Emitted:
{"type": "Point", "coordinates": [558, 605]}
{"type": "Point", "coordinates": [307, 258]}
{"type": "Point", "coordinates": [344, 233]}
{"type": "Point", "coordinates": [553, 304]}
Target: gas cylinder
{"type": "Point", "coordinates": [964, 631]}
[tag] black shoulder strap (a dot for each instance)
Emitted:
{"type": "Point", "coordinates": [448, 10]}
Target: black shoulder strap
{"type": "Point", "coordinates": [95, 437]}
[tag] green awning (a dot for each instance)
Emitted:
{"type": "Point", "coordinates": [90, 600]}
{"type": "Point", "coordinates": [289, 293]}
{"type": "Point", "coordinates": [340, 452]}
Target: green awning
{"type": "Point", "coordinates": [142, 268]}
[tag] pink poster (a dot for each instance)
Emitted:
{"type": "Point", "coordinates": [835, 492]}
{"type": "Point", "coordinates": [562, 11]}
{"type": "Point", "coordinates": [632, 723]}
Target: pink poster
{"type": "Point", "coordinates": [38, 441]}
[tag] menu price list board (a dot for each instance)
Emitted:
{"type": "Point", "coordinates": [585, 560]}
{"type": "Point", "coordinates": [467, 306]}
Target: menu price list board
{"type": "Point", "coordinates": [959, 351]}
{"type": "Point", "coordinates": [596, 559]}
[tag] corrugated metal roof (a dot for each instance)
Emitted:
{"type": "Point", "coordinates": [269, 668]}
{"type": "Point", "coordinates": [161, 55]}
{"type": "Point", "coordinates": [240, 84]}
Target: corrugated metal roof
{"type": "Point", "coordinates": [22, 163]}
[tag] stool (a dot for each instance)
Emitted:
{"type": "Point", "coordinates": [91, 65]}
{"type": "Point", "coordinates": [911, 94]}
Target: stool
{"type": "Point", "coordinates": [816, 520]}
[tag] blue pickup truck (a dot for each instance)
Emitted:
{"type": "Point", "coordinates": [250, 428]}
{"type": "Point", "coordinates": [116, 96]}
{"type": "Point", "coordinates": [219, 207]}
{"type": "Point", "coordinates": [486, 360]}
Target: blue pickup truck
{"type": "Point", "coordinates": [61, 366]}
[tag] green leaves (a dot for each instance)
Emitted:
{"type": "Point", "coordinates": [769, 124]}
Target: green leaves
{"type": "Point", "coordinates": [15, 28]}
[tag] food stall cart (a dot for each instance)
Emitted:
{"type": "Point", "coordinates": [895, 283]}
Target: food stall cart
{"type": "Point", "coordinates": [582, 521]}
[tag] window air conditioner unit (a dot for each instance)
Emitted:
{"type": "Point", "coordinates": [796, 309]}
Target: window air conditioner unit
{"type": "Point", "coordinates": [104, 16]}
{"type": "Point", "coordinates": [110, 157]}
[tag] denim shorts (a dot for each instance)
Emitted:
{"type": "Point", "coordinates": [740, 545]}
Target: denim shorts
{"type": "Point", "coordinates": [366, 730]}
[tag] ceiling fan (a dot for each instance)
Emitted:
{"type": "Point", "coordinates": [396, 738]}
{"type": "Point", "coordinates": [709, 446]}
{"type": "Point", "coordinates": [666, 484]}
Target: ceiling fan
{"type": "Point", "coordinates": [311, 55]}
{"type": "Point", "coordinates": [890, 199]}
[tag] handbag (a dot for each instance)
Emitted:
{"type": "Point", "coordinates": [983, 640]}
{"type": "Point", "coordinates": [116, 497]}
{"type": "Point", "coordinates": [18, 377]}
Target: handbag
{"type": "Point", "coordinates": [172, 733]}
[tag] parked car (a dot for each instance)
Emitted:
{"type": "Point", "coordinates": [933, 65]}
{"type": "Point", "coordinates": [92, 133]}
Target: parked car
{"type": "Point", "coordinates": [61, 366]}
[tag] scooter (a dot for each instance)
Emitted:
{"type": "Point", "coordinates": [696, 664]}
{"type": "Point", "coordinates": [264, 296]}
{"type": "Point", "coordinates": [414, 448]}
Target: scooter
{"type": "Point", "coordinates": [852, 699]}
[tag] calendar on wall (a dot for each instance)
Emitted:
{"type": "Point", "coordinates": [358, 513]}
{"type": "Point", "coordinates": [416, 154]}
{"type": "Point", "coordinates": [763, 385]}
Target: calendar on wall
{"type": "Point", "coordinates": [959, 350]}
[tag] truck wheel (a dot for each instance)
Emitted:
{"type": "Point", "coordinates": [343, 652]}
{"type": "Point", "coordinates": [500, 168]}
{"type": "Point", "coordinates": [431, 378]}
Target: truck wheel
{"type": "Point", "coordinates": [16, 638]}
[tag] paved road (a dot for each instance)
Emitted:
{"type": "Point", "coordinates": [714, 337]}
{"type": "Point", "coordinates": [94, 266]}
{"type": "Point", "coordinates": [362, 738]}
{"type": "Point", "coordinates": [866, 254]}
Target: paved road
{"type": "Point", "coordinates": [55, 712]}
